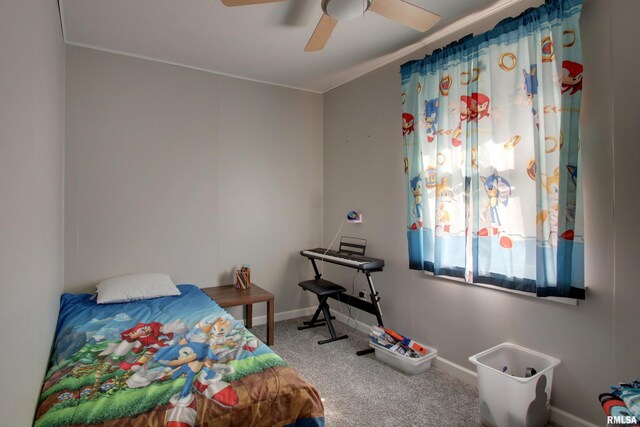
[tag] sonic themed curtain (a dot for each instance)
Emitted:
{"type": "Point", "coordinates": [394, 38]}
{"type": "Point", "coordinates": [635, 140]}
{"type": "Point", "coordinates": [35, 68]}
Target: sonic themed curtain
{"type": "Point", "coordinates": [490, 129]}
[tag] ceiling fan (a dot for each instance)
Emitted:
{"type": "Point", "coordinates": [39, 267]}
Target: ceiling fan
{"type": "Point", "coordinates": [344, 10]}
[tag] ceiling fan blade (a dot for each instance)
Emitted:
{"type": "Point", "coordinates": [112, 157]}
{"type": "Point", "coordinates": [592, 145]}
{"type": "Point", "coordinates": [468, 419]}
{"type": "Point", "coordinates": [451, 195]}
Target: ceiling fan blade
{"type": "Point", "coordinates": [321, 34]}
{"type": "Point", "coordinates": [405, 13]}
{"type": "Point", "coordinates": [246, 2]}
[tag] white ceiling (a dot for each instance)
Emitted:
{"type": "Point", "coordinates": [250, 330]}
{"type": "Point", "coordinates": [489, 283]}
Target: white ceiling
{"type": "Point", "coordinates": [261, 42]}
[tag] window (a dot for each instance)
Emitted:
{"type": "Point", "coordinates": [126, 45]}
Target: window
{"type": "Point", "coordinates": [490, 129]}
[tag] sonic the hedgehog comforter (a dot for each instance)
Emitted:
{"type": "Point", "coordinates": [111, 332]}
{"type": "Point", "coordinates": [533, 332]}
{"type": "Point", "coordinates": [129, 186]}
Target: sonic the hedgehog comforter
{"type": "Point", "coordinates": [172, 361]}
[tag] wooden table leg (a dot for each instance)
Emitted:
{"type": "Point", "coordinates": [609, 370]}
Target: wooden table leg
{"type": "Point", "coordinates": [270, 322]}
{"type": "Point", "coordinates": [248, 316]}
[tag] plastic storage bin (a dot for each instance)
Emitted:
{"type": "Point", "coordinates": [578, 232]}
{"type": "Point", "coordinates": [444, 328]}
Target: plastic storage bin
{"type": "Point", "coordinates": [508, 398]}
{"type": "Point", "coordinates": [406, 364]}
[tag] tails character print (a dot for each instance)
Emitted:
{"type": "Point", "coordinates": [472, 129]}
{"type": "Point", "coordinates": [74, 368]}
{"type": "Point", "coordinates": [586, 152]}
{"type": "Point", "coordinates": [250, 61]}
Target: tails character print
{"type": "Point", "coordinates": [445, 196]}
{"type": "Point", "coordinates": [551, 186]}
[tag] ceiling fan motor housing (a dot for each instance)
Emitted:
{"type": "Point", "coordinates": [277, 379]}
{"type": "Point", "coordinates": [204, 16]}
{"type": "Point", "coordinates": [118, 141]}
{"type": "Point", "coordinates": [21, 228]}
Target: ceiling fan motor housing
{"type": "Point", "coordinates": [345, 10]}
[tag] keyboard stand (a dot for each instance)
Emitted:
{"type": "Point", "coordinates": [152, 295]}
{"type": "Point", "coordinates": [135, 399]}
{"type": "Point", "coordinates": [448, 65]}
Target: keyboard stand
{"type": "Point", "coordinates": [370, 307]}
{"type": "Point", "coordinates": [325, 289]}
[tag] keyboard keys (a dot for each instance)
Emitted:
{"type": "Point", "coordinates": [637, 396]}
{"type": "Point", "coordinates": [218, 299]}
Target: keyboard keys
{"type": "Point", "coordinates": [354, 261]}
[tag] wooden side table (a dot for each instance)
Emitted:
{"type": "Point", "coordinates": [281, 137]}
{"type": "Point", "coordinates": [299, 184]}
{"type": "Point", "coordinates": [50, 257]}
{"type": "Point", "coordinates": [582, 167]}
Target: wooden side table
{"type": "Point", "coordinates": [230, 296]}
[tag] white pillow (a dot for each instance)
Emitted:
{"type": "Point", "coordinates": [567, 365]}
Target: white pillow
{"type": "Point", "coordinates": [135, 287]}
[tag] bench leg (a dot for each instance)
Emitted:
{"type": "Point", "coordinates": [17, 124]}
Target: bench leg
{"type": "Point", "coordinates": [323, 308]}
{"type": "Point", "coordinates": [332, 332]}
{"type": "Point", "coordinates": [314, 322]}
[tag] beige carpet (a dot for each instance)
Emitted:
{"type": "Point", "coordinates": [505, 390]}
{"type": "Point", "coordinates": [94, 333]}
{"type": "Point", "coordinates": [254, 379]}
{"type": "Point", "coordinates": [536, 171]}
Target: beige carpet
{"type": "Point", "coordinates": [362, 391]}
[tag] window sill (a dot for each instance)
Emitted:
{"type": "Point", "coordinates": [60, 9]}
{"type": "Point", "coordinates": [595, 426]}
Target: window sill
{"type": "Point", "coordinates": [566, 301]}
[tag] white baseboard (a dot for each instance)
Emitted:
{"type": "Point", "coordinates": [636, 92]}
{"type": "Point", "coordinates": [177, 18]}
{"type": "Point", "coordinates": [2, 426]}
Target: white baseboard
{"type": "Point", "coordinates": [283, 315]}
{"type": "Point", "coordinates": [352, 323]}
{"type": "Point", "coordinates": [308, 312]}
{"type": "Point", "coordinates": [566, 419]}
{"type": "Point", "coordinates": [466, 375]}
{"type": "Point", "coordinates": [558, 416]}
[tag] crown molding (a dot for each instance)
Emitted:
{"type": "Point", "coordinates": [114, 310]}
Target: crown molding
{"type": "Point", "coordinates": [177, 64]}
{"type": "Point", "coordinates": [356, 72]}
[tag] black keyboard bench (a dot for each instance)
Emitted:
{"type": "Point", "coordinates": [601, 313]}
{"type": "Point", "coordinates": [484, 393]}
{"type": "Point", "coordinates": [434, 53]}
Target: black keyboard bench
{"type": "Point", "coordinates": [323, 289]}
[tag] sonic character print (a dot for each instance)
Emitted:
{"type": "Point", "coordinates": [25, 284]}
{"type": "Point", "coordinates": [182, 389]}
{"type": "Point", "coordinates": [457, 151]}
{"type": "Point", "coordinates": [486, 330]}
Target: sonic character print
{"type": "Point", "coordinates": [416, 190]}
{"type": "Point", "coordinates": [431, 118]}
{"type": "Point", "coordinates": [531, 89]}
{"type": "Point", "coordinates": [182, 359]}
{"type": "Point", "coordinates": [196, 361]}
{"type": "Point", "coordinates": [498, 191]}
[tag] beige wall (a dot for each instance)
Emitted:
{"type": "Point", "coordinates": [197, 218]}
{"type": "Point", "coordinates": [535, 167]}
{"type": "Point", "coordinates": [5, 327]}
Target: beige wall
{"type": "Point", "coordinates": [597, 340]}
{"type": "Point", "coordinates": [188, 173]}
{"type": "Point", "coordinates": [626, 110]}
{"type": "Point", "coordinates": [31, 190]}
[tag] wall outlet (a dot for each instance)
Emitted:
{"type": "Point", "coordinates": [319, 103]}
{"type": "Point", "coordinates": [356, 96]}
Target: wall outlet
{"type": "Point", "coordinates": [354, 217]}
{"type": "Point", "coordinates": [362, 295]}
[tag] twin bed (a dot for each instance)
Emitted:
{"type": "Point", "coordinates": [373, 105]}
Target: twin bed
{"type": "Point", "coordinates": [174, 361]}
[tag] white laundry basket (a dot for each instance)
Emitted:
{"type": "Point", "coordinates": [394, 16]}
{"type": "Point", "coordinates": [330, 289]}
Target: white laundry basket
{"type": "Point", "coordinates": [508, 396]}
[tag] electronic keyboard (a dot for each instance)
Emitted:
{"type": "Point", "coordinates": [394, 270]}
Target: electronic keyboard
{"type": "Point", "coordinates": [358, 262]}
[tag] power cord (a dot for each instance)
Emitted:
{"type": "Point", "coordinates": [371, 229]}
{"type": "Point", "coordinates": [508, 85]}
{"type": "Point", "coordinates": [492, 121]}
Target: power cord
{"type": "Point", "coordinates": [331, 244]}
{"type": "Point", "coordinates": [353, 279]}
{"type": "Point", "coordinates": [355, 321]}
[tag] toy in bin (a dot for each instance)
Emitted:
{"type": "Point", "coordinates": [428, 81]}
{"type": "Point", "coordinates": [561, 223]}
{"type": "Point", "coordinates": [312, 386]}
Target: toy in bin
{"type": "Point", "coordinates": [399, 351]}
{"type": "Point", "coordinates": [389, 338]}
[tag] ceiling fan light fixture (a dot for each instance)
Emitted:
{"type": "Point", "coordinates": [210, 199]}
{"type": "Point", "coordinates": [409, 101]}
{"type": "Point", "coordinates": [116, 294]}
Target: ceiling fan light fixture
{"type": "Point", "coordinates": [345, 10]}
